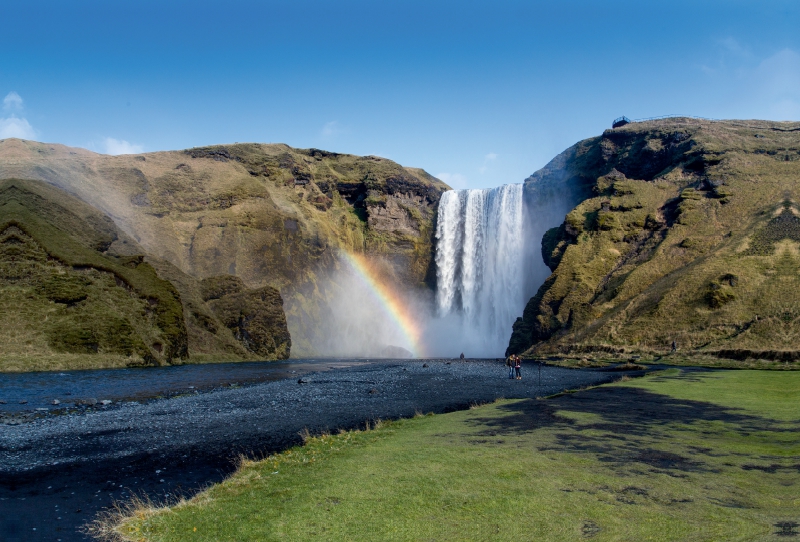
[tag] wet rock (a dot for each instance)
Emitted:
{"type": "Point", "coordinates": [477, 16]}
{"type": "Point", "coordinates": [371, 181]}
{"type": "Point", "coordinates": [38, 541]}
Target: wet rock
{"type": "Point", "coordinates": [302, 381]}
{"type": "Point", "coordinates": [56, 402]}
{"type": "Point", "coordinates": [106, 402]}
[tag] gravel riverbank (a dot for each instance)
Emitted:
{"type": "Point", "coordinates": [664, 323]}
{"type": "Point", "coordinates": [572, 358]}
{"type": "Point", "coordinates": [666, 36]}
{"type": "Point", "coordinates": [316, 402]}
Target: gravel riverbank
{"type": "Point", "coordinates": [57, 472]}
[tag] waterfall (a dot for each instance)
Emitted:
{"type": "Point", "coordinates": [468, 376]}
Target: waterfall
{"type": "Point", "coordinates": [480, 264]}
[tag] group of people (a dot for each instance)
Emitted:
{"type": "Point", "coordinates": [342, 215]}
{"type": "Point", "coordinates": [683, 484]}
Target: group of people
{"type": "Point", "coordinates": [514, 364]}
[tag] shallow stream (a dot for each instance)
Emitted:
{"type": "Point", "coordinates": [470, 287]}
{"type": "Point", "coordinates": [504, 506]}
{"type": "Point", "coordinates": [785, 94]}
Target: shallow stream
{"type": "Point", "coordinates": [37, 391]}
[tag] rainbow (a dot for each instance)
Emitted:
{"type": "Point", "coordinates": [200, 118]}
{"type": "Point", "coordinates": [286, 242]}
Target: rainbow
{"type": "Point", "coordinates": [388, 299]}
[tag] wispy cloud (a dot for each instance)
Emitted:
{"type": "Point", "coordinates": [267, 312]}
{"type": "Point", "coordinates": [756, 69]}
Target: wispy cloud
{"type": "Point", "coordinates": [730, 57]}
{"type": "Point", "coordinates": [491, 157]}
{"type": "Point", "coordinates": [14, 126]}
{"type": "Point", "coordinates": [778, 78]}
{"type": "Point", "coordinates": [330, 129]}
{"type": "Point", "coordinates": [12, 101]}
{"type": "Point", "coordinates": [120, 146]}
{"type": "Point", "coordinates": [755, 86]}
{"type": "Point", "coordinates": [455, 180]}
{"type": "Point", "coordinates": [733, 45]}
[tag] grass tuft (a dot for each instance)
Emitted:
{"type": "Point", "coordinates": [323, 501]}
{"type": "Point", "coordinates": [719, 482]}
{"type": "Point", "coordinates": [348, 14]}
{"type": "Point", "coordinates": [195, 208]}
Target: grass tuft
{"type": "Point", "coordinates": [672, 456]}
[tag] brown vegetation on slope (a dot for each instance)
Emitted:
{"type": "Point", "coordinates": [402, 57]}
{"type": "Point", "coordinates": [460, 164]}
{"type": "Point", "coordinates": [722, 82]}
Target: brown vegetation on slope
{"type": "Point", "coordinates": [268, 214]}
{"type": "Point", "coordinates": [690, 236]}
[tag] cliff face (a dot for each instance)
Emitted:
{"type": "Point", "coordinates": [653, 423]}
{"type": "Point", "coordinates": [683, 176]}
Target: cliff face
{"type": "Point", "coordinates": [68, 302]}
{"type": "Point", "coordinates": [270, 215]}
{"type": "Point", "coordinates": [688, 233]}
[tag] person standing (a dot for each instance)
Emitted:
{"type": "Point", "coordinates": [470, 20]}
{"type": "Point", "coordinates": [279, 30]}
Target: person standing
{"type": "Point", "coordinates": [510, 365]}
{"type": "Point", "coordinates": [518, 367]}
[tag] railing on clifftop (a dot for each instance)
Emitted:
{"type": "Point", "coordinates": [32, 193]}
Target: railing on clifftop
{"type": "Point", "coordinates": [623, 120]}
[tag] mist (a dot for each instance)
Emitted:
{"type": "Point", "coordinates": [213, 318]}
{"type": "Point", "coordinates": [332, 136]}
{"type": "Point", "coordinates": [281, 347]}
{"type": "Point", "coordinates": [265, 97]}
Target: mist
{"type": "Point", "coordinates": [489, 264]}
{"type": "Point", "coordinates": [358, 319]}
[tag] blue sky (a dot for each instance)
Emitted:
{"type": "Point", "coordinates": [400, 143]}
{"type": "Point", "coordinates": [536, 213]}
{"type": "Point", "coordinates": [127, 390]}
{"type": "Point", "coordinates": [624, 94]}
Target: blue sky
{"type": "Point", "coordinates": [479, 93]}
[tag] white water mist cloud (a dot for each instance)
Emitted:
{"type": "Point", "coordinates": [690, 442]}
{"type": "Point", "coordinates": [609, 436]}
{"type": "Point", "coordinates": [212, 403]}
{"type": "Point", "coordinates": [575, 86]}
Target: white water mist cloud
{"type": "Point", "coordinates": [12, 125]}
{"type": "Point", "coordinates": [455, 180]}
{"type": "Point", "coordinates": [357, 321]}
{"type": "Point", "coordinates": [120, 146]}
{"type": "Point", "coordinates": [358, 324]}
{"type": "Point", "coordinates": [353, 322]}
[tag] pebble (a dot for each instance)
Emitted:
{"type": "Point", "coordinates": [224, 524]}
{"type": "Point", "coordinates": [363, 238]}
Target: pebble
{"type": "Point", "coordinates": [219, 420]}
{"type": "Point", "coordinates": [211, 427]}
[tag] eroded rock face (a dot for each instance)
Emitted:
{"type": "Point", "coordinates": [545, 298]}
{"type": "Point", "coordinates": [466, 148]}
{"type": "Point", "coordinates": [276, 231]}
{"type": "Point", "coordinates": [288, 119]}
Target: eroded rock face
{"type": "Point", "coordinates": [255, 317]}
{"type": "Point", "coordinates": [688, 233]}
{"type": "Point", "coordinates": [270, 215]}
{"type": "Point", "coordinates": [398, 213]}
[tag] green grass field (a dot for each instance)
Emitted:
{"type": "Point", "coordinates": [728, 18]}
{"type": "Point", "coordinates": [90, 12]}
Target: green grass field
{"type": "Point", "coordinates": [678, 455]}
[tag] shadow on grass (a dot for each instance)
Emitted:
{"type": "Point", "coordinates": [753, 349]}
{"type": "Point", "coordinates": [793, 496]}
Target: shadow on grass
{"type": "Point", "coordinates": [627, 425]}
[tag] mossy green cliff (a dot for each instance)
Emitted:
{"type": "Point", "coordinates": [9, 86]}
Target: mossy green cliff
{"type": "Point", "coordinates": [64, 298]}
{"type": "Point", "coordinates": [689, 233]}
{"type": "Point", "coordinates": [268, 219]}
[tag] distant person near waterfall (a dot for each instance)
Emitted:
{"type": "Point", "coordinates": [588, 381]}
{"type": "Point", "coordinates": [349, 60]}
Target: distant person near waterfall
{"type": "Point", "coordinates": [510, 365]}
{"type": "Point", "coordinates": [518, 367]}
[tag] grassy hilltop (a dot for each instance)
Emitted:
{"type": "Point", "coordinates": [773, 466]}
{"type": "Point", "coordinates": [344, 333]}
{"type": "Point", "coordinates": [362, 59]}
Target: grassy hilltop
{"type": "Point", "coordinates": [689, 232]}
{"type": "Point", "coordinates": [240, 234]}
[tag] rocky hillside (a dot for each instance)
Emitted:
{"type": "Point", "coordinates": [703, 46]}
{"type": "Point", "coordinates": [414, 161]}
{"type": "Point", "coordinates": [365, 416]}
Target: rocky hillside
{"type": "Point", "coordinates": [77, 292]}
{"type": "Point", "coordinates": [688, 232]}
{"type": "Point", "coordinates": [63, 297]}
{"type": "Point", "coordinates": [266, 221]}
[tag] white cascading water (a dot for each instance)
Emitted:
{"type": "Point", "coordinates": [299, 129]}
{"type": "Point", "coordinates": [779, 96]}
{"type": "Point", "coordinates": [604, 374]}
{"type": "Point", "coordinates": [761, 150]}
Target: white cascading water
{"type": "Point", "coordinates": [480, 264]}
